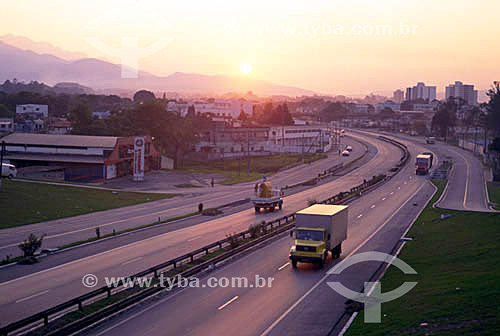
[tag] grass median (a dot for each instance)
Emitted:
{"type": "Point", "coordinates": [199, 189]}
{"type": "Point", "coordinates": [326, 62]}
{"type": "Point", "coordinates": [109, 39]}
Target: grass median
{"type": "Point", "coordinates": [24, 203]}
{"type": "Point", "coordinates": [235, 170]}
{"type": "Point", "coordinates": [458, 289]}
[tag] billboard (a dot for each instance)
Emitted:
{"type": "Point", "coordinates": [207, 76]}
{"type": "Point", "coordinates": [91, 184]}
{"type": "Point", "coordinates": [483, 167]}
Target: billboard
{"type": "Point", "coordinates": [139, 144]}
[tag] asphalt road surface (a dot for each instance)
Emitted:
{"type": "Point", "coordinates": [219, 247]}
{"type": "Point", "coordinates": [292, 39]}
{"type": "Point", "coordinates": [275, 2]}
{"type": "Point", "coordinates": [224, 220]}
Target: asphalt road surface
{"type": "Point", "coordinates": [68, 230]}
{"type": "Point", "coordinates": [33, 293]}
{"type": "Point", "coordinates": [299, 301]}
{"type": "Point", "coordinates": [467, 188]}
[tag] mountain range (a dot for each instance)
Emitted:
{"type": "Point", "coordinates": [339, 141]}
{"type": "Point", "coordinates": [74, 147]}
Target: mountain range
{"type": "Point", "coordinates": [43, 66]}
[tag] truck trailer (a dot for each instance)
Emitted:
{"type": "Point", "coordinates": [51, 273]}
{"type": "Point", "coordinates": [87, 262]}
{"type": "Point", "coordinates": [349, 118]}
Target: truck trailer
{"type": "Point", "coordinates": [318, 229]}
{"type": "Point", "coordinates": [423, 163]}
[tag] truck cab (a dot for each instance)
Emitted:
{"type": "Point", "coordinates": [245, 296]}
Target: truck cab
{"type": "Point", "coordinates": [319, 229]}
{"type": "Point", "coordinates": [423, 163]}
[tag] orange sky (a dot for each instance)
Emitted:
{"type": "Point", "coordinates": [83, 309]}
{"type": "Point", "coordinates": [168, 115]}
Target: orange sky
{"type": "Point", "coordinates": [337, 47]}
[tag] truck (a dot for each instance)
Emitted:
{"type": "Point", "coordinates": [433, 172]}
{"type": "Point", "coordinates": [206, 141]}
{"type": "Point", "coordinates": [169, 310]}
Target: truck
{"type": "Point", "coordinates": [319, 229]}
{"type": "Point", "coordinates": [8, 170]}
{"type": "Point", "coordinates": [266, 197]}
{"type": "Point", "coordinates": [423, 164]}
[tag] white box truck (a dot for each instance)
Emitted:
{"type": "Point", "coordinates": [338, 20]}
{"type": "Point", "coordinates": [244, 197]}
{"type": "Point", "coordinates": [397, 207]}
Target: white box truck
{"type": "Point", "coordinates": [318, 229]}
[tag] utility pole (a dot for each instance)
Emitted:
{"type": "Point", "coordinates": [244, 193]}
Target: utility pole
{"type": "Point", "coordinates": [2, 151]}
{"type": "Point", "coordinates": [248, 152]}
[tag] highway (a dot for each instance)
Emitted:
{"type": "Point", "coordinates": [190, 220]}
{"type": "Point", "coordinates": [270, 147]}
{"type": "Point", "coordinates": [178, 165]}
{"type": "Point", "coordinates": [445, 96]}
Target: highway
{"type": "Point", "coordinates": [68, 230]}
{"type": "Point", "coordinates": [467, 187]}
{"type": "Point", "coordinates": [299, 301]}
{"type": "Point", "coordinates": [41, 290]}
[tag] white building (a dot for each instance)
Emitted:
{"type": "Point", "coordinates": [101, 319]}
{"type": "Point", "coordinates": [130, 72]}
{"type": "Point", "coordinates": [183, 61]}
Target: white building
{"type": "Point", "coordinates": [6, 125]}
{"type": "Point", "coordinates": [387, 104]}
{"type": "Point", "coordinates": [421, 91]}
{"type": "Point", "coordinates": [33, 109]}
{"type": "Point", "coordinates": [215, 107]}
{"type": "Point", "coordinates": [398, 96]}
{"type": "Point", "coordinates": [464, 91]}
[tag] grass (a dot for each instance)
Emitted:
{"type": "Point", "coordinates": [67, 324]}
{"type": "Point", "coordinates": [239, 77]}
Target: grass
{"type": "Point", "coordinates": [235, 170]}
{"type": "Point", "coordinates": [494, 193]}
{"type": "Point", "coordinates": [187, 185]}
{"type": "Point", "coordinates": [458, 289]}
{"type": "Point", "coordinates": [24, 203]}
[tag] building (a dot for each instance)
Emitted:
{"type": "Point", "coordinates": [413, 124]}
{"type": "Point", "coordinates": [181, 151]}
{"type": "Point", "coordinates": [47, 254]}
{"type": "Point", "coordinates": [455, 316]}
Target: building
{"type": "Point", "coordinates": [214, 107]}
{"type": "Point", "coordinates": [398, 96]}
{"type": "Point", "coordinates": [421, 91]}
{"type": "Point", "coordinates": [389, 104]}
{"type": "Point", "coordinates": [464, 91]}
{"type": "Point", "coordinates": [59, 127]}
{"type": "Point", "coordinates": [361, 108]}
{"type": "Point", "coordinates": [33, 110]}
{"type": "Point", "coordinates": [83, 158]}
{"type": "Point", "coordinates": [6, 125]}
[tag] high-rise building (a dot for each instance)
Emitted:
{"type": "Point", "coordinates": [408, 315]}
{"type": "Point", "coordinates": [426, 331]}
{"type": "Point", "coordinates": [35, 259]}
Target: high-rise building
{"type": "Point", "coordinates": [464, 91]}
{"type": "Point", "coordinates": [421, 91]}
{"type": "Point", "coordinates": [398, 96]}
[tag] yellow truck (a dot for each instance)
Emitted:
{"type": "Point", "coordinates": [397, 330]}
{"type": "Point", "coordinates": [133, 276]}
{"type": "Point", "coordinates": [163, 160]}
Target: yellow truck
{"type": "Point", "coordinates": [266, 197]}
{"type": "Point", "coordinates": [318, 229]}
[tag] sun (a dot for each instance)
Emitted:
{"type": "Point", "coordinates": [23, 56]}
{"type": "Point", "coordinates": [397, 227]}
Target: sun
{"type": "Point", "coordinates": [245, 68]}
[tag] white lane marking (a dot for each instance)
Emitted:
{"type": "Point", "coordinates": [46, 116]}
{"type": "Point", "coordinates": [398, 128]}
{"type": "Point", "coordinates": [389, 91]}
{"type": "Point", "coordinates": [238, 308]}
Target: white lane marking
{"type": "Point", "coordinates": [283, 266]}
{"type": "Point", "coordinates": [228, 303]}
{"type": "Point", "coordinates": [292, 307]}
{"type": "Point", "coordinates": [360, 216]}
{"type": "Point", "coordinates": [373, 206]}
{"type": "Point", "coordinates": [32, 296]}
{"type": "Point", "coordinates": [399, 187]}
{"type": "Point", "coordinates": [383, 199]}
{"type": "Point", "coordinates": [131, 261]}
{"type": "Point", "coordinates": [405, 182]}
{"type": "Point", "coordinates": [392, 192]}
{"type": "Point", "coordinates": [194, 238]}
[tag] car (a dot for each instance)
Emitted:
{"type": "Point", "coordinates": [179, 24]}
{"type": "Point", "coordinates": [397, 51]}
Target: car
{"type": "Point", "coordinates": [431, 140]}
{"type": "Point", "coordinates": [346, 153]}
{"type": "Point", "coordinates": [348, 148]}
{"type": "Point", "coordinates": [9, 170]}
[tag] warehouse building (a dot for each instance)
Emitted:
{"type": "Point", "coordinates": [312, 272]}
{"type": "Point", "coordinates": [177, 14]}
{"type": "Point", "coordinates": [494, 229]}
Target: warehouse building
{"type": "Point", "coordinates": [83, 158]}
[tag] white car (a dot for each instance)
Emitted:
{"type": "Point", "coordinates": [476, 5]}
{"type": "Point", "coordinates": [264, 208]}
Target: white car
{"type": "Point", "coordinates": [9, 170]}
{"type": "Point", "coordinates": [346, 153]}
{"type": "Point", "coordinates": [348, 148]}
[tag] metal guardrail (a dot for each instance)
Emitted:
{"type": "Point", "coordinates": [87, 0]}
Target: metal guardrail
{"type": "Point", "coordinates": [283, 222]}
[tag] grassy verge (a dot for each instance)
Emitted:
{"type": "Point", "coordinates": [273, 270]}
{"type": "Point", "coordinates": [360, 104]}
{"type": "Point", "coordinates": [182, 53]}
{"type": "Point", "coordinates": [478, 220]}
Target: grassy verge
{"type": "Point", "coordinates": [24, 203]}
{"type": "Point", "coordinates": [235, 170]}
{"type": "Point", "coordinates": [458, 289]}
{"type": "Point", "coordinates": [494, 193]}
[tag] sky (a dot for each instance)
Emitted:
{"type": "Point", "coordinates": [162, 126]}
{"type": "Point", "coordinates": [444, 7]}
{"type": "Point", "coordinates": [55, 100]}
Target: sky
{"type": "Point", "coordinates": [333, 46]}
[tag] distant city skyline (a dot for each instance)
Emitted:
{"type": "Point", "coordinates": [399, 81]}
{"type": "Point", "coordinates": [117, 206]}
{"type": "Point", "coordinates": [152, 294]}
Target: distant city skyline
{"type": "Point", "coordinates": [354, 47]}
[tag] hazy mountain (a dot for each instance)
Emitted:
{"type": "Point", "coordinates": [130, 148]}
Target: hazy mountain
{"type": "Point", "coordinates": [25, 43]}
{"type": "Point", "coordinates": [27, 65]}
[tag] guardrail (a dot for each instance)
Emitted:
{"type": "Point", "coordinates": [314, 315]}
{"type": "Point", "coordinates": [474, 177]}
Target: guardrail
{"type": "Point", "coordinates": [275, 226]}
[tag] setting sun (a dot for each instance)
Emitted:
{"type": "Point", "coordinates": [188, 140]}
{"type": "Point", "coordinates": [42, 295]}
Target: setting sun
{"type": "Point", "coordinates": [245, 68]}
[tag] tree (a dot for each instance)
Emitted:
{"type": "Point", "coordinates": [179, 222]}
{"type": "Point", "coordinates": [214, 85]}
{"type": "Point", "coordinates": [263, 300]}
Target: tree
{"type": "Point", "coordinates": [243, 116]}
{"type": "Point", "coordinates": [81, 120]}
{"type": "Point", "coordinates": [333, 111]}
{"type": "Point", "coordinates": [493, 107]}
{"type": "Point", "coordinates": [30, 246]}
{"type": "Point", "coordinates": [386, 113]}
{"type": "Point", "coordinates": [5, 113]}
{"type": "Point", "coordinates": [144, 96]}
{"type": "Point", "coordinates": [444, 118]}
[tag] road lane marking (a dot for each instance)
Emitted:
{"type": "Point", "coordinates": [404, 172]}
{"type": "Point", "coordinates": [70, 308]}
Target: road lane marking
{"type": "Point", "coordinates": [32, 296]}
{"type": "Point", "coordinates": [228, 302]}
{"type": "Point", "coordinates": [361, 215]}
{"type": "Point", "coordinates": [194, 238]}
{"type": "Point", "coordinates": [285, 265]}
{"type": "Point", "coordinates": [383, 199]}
{"type": "Point", "coordinates": [131, 261]}
{"type": "Point", "coordinates": [306, 294]}
{"type": "Point", "coordinates": [373, 206]}
{"type": "Point", "coordinates": [399, 187]}
{"type": "Point", "coordinates": [405, 182]}
{"type": "Point", "coordinates": [392, 192]}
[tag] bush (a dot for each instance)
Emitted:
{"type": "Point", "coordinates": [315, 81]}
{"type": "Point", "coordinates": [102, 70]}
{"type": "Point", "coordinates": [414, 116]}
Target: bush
{"type": "Point", "coordinates": [254, 230]}
{"type": "Point", "coordinates": [312, 202]}
{"type": "Point", "coordinates": [233, 240]}
{"type": "Point", "coordinates": [30, 246]}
